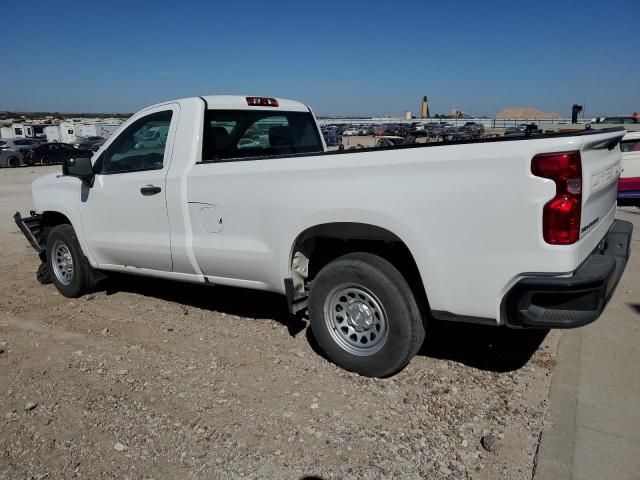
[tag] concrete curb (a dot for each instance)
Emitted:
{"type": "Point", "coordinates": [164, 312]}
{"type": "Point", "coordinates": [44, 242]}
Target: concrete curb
{"type": "Point", "coordinates": [554, 459]}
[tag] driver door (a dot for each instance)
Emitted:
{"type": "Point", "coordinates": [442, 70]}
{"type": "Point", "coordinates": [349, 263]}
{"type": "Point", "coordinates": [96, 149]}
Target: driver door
{"type": "Point", "coordinates": [124, 214]}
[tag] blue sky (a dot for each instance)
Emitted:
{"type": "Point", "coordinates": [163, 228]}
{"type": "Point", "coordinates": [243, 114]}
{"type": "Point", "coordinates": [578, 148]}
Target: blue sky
{"type": "Point", "coordinates": [349, 57]}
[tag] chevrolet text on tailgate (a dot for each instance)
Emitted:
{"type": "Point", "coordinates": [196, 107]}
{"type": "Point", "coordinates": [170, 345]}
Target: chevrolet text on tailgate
{"type": "Point", "coordinates": [374, 243]}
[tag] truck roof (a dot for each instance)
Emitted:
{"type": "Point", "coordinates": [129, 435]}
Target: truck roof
{"type": "Point", "coordinates": [239, 102]}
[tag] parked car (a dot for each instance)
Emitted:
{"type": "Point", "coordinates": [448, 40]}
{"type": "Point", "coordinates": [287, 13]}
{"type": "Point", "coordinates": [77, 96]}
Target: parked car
{"type": "Point", "coordinates": [95, 145]}
{"type": "Point", "coordinates": [522, 130]}
{"type": "Point", "coordinates": [454, 134]}
{"type": "Point", "coordinates": [89, 143]}
{"type": "Point", "coordinates": [14, 151]}
{"type": "Point", "coordinates": [49, 153]}
{"type": "Point", "coordinates": [423, 132]}
{"type": "Point", "coordinates": [351, 132]}
{"type": "Point", "coordinates": [10, 158]}
{"type": "Point", "coordinates": [620, 120]}
{"type": "Point", "coordinates": [477, 129]}
{"type": "Point", "coordinates": [389, 141]}
{"type": "Point", "coordinates": [629, 184]}
{"type": "Point", "coordinates": [372, 243]}
{"type": "Point", "coordinates": [331, 138]}
{"type": "Point", "coordinates": [399, 130]}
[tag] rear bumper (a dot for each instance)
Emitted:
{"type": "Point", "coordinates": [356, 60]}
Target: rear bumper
{"type": "Point", "coordinates": [576, 300]}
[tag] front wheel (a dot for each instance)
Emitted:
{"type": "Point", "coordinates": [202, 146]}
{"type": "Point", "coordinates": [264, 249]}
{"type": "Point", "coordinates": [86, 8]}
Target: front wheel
{"type": "Point", "coordinates": [364, 315]}
{"type": "Point", "coordinates": [69, 269]}
{"type": "Point", "coordinates": [13, 162]}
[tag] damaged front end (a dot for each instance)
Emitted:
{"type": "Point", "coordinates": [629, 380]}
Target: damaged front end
{"type": "Point", "coordinates": [34, 231]}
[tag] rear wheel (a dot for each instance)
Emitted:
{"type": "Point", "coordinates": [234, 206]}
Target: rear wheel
{"type": "Point", "coordinates": [69, 269]}
{"type": "Point", "coordinates": [364, 315]}
{"type": "Point", "coordinates": [45, 161]}
{"type": "Point", "coordinates": [13, 162]}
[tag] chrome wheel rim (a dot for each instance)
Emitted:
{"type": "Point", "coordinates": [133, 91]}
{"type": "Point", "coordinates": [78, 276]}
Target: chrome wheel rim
{"type": "Point", "coordinates": [62, 263]}
{"type": "Point", "coordinates": [356, 319]}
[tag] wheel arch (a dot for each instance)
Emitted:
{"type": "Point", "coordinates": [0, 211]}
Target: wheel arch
{"type": "Point", "coordinates": [52, 218]}
{"type": "Point", "coordinates": [48, 220]}
{"type": "Point", "coordinates": [9, 160]}
{"type": "Point", "coordinates": [317, 245]}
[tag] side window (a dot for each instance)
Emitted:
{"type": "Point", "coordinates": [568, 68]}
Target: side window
{"type": "Point", "coordinates": [140, 146]}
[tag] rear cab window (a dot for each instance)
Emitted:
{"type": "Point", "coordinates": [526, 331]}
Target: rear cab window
{"type": "Point", "coordinates": [246, 134]}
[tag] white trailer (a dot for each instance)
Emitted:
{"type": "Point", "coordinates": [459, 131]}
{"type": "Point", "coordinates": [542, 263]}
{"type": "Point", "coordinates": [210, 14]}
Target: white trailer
{"type": "Point", "coordinates": [52, 132]}
{"type": "Point", "coordinates": [69, 131]}
{"type": "Point", "coordinates": [20, 130]}
{"type": "Point", "coordinates": [100, 129]}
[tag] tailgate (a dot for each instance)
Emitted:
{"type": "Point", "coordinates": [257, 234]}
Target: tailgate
{"type": "Point", "coordinates": [600, 171]}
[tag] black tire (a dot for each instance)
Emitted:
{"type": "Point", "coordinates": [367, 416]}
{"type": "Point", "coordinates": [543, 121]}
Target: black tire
{"type": "Point", "coordinates": [386, 285]}
{"type": "Point", "coordinates": [45, 161]}
{"type": "Point", "coordinates": [13, 162]}
{"type": "Point", "coordinates": [81, 279]}
{"type": "Point", "coordinates": [44, 274]}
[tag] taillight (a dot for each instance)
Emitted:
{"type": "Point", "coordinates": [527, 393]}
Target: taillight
{"type": "Point", "coordinates": [262, 102]}
{"type": "Point", "coordinates": [561, 215]}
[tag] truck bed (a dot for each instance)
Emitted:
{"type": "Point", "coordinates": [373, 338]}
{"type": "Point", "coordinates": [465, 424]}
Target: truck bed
{"type": "Point", "coordinates": [540, 136]}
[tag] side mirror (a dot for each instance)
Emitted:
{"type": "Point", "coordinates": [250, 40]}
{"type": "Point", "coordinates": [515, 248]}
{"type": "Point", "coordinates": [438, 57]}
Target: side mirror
{"type": "Point", "coordinates": [80, 168]}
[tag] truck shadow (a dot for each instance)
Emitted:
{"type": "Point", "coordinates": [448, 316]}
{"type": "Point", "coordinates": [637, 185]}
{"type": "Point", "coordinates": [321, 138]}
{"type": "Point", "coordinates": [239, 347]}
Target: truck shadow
{"type": "Point", "coordinates": [492, 349]}
{"type": "Point", "coordinates": [495, 349]}
{"type": "Point", "coordinates": [252, 304]}
{"type": "Point", "coordinates": [483, 347]}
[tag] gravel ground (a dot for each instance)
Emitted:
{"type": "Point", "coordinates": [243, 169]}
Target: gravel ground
{"type": "Point", "coordinates": [155, 379]}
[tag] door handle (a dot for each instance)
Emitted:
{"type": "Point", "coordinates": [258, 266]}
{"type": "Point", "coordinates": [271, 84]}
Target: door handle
{"type": "Point", "coordinates": [150, 190]}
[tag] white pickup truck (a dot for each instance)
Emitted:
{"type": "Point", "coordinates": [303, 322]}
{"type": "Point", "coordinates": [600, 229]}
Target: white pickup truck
{"type": "Point", "coordinates": [376, 243]}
